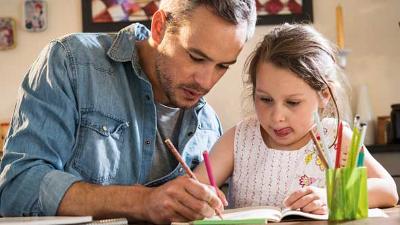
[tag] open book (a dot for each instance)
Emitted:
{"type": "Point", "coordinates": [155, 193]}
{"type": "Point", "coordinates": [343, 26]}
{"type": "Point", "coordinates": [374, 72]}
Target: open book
{"type": "Point", "coordinates": [263, 214]}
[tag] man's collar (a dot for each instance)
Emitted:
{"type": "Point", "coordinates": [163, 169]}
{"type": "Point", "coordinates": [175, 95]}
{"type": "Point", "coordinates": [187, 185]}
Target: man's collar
{"type": "Point", "coordinates": [123, 46]}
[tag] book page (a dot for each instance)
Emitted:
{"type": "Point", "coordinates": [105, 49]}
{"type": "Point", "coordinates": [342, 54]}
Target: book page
{"type": "Point", "coordinates": [289, 212]}
{"type": "Point", "coordinates": [269, 213]}
{"type": "Point", "coordinates": [375, 212]}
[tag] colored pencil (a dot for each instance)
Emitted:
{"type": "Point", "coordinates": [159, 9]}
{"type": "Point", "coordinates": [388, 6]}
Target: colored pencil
{"type": "Point", "coordinates": [209, 171]}
{"type": "Point", "coordinates": [319, 149]}
{"type": "Point", "coordinates": [178, 157]}
{"type": "Point", "coordinates": [360, 156]}
{"type": "Point", "coordinates": [323, 140]}
{"type": "Point", "coordinates": [339, 145]}
{"type": "Point", "coordinates": [211, 177]}
{"type": "Point", "coordinates": [360, 162]}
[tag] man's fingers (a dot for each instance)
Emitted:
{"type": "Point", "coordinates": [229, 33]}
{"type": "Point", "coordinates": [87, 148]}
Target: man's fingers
{"type": "Point", "coordinates": [205, 193]}
{"type": "Point", "coordinates": [199, 208]}
{"type": "Point", "coordinates": [221, 196]}
{"type": "Point", "coordinates": [188, 213]}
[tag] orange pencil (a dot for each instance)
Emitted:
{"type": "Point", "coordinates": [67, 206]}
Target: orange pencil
{"type": "Point", "coordinates": [178, 157]}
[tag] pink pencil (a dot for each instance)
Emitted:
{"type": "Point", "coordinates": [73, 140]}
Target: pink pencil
{"type": "Point", "coordinates": [209, 170]}
{"type": "Point", "coordinates": [211, 177]}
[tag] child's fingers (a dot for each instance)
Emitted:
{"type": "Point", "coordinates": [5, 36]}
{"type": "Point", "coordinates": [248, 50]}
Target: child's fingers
{"type": "Point", "coordinates": [304, 201]}
{"type": "Point", "coordinates": [321, 211]}
{"type": "Point", "coordinates": [296, 195]}
{"type": "Point", "coordinates": [313, 206]}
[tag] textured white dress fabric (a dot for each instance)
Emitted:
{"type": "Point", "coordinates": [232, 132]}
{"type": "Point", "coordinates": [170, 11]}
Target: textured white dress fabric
{"type": "Point", "coordinates": [263, 176]}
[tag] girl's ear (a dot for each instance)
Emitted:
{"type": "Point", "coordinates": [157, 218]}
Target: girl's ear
{"type": "Point", "coordinates": [325, 96]}
{"type": "Point", "coordinates": [158, 26]}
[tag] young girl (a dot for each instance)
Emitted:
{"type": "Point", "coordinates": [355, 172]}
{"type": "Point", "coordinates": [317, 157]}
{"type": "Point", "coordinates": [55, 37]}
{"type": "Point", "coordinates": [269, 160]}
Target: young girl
{"type": "Point", "coordinates": [270, 158]}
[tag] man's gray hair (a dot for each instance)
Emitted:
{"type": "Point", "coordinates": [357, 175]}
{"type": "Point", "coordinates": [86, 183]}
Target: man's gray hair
{"type": "Point", "coordinates": [233, 11]}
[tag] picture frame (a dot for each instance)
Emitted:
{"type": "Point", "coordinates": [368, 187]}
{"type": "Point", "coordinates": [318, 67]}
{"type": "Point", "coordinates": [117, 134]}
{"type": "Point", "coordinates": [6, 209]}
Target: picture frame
{"type": "Point", "coordinates": [272, 12]}
{"type": "Point", "coordinates": [35, 15]}
{"type": "Point", "coordinates": [7, 33]}
{"type": "Point", "coordinates": [113, 15]}
{"type": "Point", "coordinates": [3, 133]}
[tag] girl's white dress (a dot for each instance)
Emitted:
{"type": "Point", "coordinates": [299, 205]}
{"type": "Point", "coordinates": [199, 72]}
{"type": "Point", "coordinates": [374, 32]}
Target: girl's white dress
{"type": "Point", "coordinates": [265, 176]}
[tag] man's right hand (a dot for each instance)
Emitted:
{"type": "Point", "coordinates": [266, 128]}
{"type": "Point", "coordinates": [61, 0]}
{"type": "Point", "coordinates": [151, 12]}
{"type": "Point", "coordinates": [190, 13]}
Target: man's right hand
{"type": "Point", "coordinates": [182, 199]}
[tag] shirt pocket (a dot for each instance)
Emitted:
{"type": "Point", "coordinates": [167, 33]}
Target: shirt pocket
{"type": "Point", "coordinates": [99, 146]}
{"type": "Point", "coordinates": [202, 140]}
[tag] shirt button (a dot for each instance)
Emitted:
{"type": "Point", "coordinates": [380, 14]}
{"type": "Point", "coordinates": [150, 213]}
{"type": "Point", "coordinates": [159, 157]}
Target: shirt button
{"type": "Point", "coordinates": [147, 97]}
{"type": "Point", "coordinates": [104, 128]}
{"type": "Point", "coordinates": [147, 142]}
{"type": "Point", "coordinates": [190, 134]}
{"type": "Point", "coordinates": [180, 170]}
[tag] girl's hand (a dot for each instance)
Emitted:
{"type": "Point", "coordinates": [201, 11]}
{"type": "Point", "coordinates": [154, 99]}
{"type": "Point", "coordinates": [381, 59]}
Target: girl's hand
{"type": "Point", "coordinates": [308, 199]}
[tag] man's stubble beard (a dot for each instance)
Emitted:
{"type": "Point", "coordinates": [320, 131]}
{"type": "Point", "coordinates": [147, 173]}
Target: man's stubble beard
{"type": "Point", "coordinates": [166, 84]}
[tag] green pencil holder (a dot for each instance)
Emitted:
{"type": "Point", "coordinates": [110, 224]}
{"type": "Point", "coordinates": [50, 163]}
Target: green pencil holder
{"type": "Point", "coordinates": [347, 193]}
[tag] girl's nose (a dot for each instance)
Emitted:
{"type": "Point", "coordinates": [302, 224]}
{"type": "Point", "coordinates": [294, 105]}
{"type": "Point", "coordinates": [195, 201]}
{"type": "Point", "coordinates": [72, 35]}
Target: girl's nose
{"type": "Point", "coordinates": [278, 114]}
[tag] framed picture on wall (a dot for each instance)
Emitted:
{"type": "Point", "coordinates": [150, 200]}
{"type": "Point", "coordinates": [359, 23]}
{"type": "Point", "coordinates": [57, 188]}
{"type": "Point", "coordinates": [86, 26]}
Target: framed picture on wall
{"type": "Point", "coordinates": [112, 15]}
{"type": "Point", "coordinates": [281, 11]}
{"type": "Point", "coordinates": [7, 33]}
{"type": "Point", "coordinates": [35, 15]}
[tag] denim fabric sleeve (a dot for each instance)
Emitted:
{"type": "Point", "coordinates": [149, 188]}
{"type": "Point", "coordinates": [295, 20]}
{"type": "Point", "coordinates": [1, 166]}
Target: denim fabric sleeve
{"type": "Point", "coordinates": [41, 138]}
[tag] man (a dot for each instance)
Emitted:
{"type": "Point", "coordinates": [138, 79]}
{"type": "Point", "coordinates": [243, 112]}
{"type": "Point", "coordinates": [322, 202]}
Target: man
{"type": "Point", "coordinates": [87, 134]}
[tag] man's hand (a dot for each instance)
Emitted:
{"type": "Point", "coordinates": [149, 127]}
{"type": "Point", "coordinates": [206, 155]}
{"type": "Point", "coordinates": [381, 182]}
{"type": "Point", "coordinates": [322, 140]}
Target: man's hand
{"type": "Point", "coordinates": [308, 199]}
{"type": "Point", "coordinates": [182, 199]}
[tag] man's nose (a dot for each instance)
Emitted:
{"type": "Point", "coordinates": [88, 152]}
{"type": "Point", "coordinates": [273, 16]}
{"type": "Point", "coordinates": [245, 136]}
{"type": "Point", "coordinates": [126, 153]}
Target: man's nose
{"type": "Point", "coordinates": [205, 77]}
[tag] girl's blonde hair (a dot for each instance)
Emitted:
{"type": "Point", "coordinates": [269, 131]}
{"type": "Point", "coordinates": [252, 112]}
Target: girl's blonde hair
{"type": "Point", "coordinates": [305, 52]}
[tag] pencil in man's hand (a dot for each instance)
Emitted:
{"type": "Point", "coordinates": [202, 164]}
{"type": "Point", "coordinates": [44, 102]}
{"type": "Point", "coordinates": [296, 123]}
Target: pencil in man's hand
{"type": "Point", "coordinates": [178, 157]}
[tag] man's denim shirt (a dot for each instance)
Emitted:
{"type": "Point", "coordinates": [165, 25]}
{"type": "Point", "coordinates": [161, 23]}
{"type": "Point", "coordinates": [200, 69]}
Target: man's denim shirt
{"type": "Point", "coordinates": [86, 112]}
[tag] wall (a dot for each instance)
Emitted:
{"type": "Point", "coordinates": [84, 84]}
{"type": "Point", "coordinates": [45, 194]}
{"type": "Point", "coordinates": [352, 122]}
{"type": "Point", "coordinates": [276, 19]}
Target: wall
{"type": "Point", "coordinates": [372, 34]}
{"type": "Point", "coordinates": [64, 16]}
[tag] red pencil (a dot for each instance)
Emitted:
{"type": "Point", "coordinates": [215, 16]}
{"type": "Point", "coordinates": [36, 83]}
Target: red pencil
{"type": "Point", "coordinates": [339, 145]}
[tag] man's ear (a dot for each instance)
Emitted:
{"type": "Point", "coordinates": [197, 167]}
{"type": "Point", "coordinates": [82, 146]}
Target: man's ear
{"type": "Point", "coordinates": [158, 26]}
